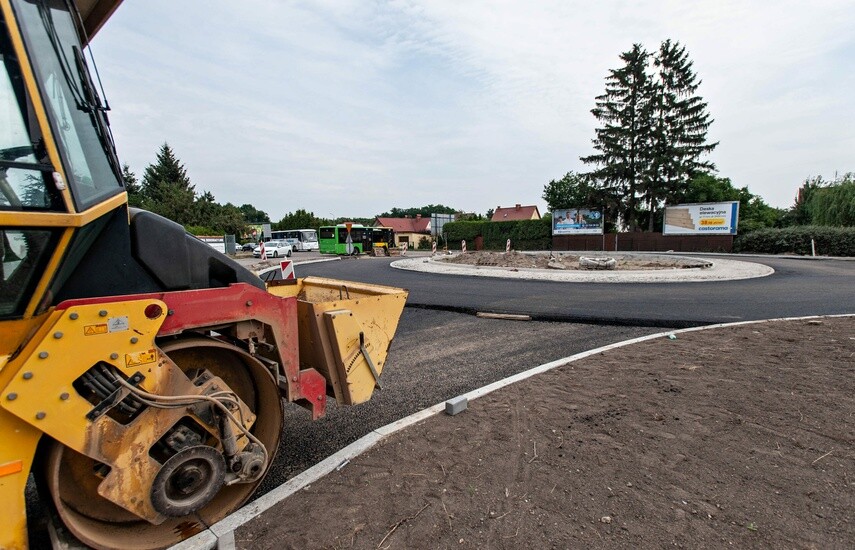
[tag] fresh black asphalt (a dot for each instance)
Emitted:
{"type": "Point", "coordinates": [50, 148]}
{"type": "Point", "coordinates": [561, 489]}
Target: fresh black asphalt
{"type": "Point", "coordinates": [798, 287]}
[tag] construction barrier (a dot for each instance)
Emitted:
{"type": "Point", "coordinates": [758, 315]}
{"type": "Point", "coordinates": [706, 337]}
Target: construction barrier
{"type": "Point", "coordinates": [405, 246]}
{"type": "Point", "coordinates": [463, 246]}
{"type": "Point", "coordinates": [287, 270]}
{"type": "Point", "coordinates": [508, 246]}
{"type": "Point", "coordinates": [263, 253]}
{"type": "Point", "coordinates": [433, 248]}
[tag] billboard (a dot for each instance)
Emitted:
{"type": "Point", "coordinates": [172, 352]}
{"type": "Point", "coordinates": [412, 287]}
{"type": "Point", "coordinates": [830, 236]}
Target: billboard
{"type": "Point", "coordinates": [702, 219]}
{"type": "Point", "coordinates": [577, 221]}
{"type": "Point", "coordinates": [258, 231]}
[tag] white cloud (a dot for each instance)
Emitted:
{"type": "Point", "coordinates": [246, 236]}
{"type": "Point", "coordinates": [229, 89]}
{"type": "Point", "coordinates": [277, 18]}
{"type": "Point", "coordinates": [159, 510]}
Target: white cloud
{"type": "Point", "coordinates": [351, 108]}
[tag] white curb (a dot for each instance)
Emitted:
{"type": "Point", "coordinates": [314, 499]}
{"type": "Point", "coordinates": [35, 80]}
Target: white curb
{"type": "Point", "coordinates": [221, 534]}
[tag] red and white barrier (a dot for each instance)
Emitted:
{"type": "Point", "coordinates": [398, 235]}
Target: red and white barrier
{"type": "Point", "coordinates": [508, 246]}
{"type": "Point", "coordinates": [263, 253]}
{"type": "Point", "coordinates": [406, 247]}
{"type": "Point", "coordinates": [433, 248]}
{"type": "Point", "coordinates": [463, 245]}
{"type": "Point", "coordinates": [287, 270]}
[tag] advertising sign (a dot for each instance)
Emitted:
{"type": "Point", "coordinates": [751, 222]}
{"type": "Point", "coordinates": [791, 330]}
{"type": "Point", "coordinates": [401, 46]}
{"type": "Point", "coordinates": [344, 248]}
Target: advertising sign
{"type": "Point", "coordinates": [258, 231]}
{"type": "Point", "coordinates": [577, 221]}
{"type": "Point", "coordinates": [702, 219]}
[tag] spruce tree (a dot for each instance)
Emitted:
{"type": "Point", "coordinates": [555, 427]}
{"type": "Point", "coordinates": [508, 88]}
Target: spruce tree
{"type": "Point", "coordinates": [167, 190]}
{"type": "Point", "coordinates": [623, 142]}
{"type": "Point", "coordinates": [680, 124]}
{"type": "Point", "coordinates": [132, 186]}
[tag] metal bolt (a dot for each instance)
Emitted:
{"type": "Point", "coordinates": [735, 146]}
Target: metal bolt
{"type": "Point", "coordinates": [27, 375]}
{"type": "Point", "coordinates": [134, 340]}
{"type": "Point", "coordinates": [43, 355]}
{"type": "Point", "coordinates": [12, 396]}
{"type": "Point", "coordinates": [170, 312]}
{"type": "Point", "coordinates": [249, 303]}
{"type": "Point", "coordinates": [64, 396]}
{"type": "Point", "coordinates": [103, 313]}
{"type": "Point", "coordinates": [293, 379]}
{"type": "Point", "coordinates": [57, 335]}
{"type": "Point", "coordinates": [73, 316]}
{"type": "Point", "coordinates": [320, 398]}
{"type": "Point", "coordinates": [114, 356]}
{"type": "Point", "coordinates": [40, 415]}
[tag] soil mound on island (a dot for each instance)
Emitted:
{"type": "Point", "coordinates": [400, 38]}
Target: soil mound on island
{"type": "Point", "coordinates": [570, 261]}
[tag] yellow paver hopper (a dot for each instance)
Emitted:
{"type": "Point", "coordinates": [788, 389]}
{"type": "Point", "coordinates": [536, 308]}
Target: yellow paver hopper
{"type": "Point", "coordinates": [345, 330]}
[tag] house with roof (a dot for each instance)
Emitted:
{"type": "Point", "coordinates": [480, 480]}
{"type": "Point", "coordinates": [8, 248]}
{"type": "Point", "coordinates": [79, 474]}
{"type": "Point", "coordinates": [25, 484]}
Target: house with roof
{"type": "Point", "coordinates": [515, 213]}
{"type": "Point", "coordinates": [407, 230]}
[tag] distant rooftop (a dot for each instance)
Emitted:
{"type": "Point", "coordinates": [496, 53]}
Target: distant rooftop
{"type": "Point", "coordinates": [405, 225]}
{"type": "Point", "coordinates": [515, 213]}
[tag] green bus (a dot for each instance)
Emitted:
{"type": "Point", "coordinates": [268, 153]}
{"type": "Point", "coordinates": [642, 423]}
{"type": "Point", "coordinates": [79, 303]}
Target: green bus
{"type": "Point", "coordinates": [332, 239]}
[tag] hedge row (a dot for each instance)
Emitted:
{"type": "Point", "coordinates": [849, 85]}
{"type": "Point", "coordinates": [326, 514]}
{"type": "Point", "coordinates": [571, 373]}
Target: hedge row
{"type": "Point", "coordinates": [524, 235]}
{"type": "Point", "coordinates": [829, 241]}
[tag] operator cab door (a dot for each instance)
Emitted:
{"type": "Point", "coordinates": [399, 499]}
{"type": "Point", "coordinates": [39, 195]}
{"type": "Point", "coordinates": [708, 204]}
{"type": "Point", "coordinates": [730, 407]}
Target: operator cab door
{"type": "Point", "coordinates": [58, 169]}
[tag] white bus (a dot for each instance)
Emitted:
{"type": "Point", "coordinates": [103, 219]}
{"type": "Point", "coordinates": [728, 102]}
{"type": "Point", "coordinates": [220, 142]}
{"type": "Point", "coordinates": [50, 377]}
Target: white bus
{"type": "Point", "coordinates": [303, 240]}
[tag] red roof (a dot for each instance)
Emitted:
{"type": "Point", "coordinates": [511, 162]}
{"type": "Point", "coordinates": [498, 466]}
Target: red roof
{"type": "Point", "coordinates": [514, 213]}
{"type": "Point", "coordinates": [405, 225]}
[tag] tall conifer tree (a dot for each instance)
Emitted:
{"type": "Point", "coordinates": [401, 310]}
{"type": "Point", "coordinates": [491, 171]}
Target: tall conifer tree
{"type": "Point", "coordinates": [654, 132]}
{"type": "Point", "coordinates": [679, 133]}
{"type": "Point", "coordinates": [167, 190]}
{"type": "Point", "coordinates": [623, 142]}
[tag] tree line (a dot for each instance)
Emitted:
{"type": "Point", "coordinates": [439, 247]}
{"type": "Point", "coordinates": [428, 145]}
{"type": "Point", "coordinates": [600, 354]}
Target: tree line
{"type": "Point", "coordinates": [166, 189]}
{"type": "Point", "coordinates": [650, 150]}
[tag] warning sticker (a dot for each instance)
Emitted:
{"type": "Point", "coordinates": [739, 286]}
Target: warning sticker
{"type": "Point", "coordinates": [92, 330]}
{"type": "Point", "coordinates": [118, 324]}
{"type": "Point", "coordinates": [138, 358]}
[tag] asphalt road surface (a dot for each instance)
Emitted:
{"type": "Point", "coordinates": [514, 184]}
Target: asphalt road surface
{"type": "Point", "coordinates": [440, 352]}
{"type": "Point", "coordinates": [798, 287]}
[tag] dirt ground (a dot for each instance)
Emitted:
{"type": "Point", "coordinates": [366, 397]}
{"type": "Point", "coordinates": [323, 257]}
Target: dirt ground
{"type": "Point", "coordinates": [564, 261]}
{"type": "Point", "coordinates": [741, 436]}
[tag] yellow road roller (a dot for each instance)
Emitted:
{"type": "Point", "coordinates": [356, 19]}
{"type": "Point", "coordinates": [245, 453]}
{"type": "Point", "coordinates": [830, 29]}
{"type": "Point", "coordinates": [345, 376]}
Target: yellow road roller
{"type": "Point", "coordinates": [141, 371]}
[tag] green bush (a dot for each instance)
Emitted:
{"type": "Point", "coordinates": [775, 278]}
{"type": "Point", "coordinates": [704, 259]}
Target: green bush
{"type": "Point", "coordinates": [201, 230]}
{"type": "Point", "coordinates": [524, 234]}
{"type": "Point", "coordinates": [424, 243]}
{"type": "Point", "coordinates": [829, 241]}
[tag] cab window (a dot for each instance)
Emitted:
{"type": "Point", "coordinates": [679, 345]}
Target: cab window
{"type": "Point", "coordinates": [26, 180]}
{"type": "Point", "coordinates": [71, 99]}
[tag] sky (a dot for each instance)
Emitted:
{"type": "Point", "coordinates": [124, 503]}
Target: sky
{"type": "Point", "coordinates": [348, 108]}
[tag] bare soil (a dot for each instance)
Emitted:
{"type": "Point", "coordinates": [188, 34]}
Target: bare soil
{"type": "Point", "coordinates": [558, 260]}
{"type": "Point", "coordinates": [741, 436]}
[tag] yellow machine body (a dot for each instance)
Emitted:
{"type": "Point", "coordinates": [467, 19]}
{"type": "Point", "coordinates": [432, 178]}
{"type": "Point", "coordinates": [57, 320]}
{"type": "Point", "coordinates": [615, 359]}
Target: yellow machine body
{"type": "Point", "coordinates": [122, 382]}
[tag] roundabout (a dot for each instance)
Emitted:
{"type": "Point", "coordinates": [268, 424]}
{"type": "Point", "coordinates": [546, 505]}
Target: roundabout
{"type": "Point", "coordinates": [564, 267]}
